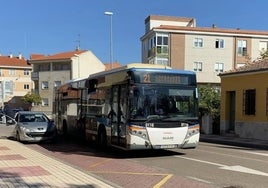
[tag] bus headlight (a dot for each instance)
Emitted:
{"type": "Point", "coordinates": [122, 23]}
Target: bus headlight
{"type": "Point", "coordinates": [192, 132]}
{"type": "Point", "coordinates": [138, 131]}
{"type": "Point", "coordinates": [184, 124]}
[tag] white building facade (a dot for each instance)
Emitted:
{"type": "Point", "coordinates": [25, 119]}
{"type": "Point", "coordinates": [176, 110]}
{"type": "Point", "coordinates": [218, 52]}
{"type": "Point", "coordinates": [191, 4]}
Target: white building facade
{"type": "Point", "coordinates": [54, 70]}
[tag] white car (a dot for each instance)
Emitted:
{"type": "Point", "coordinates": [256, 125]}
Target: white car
{"type": "Point", "coordinates": [34, 127]}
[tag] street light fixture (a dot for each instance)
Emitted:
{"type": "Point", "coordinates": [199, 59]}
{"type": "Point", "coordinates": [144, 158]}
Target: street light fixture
{"type": "Point", "coordinates": [111, 39]}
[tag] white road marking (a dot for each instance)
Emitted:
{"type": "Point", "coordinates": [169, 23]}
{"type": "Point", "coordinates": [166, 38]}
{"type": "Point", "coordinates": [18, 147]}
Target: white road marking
{"type": "Point", "coordinates": [236, 168]}
{"type": "Point", "coordinates": [256, 153]}
{"type": "Point", "coordinates": [198, 179]}
{"type": "Point", "coordinates": [244, 169]}
{"type": "Point", "coordinates": [201, 161]}
{"type": "Point", "coordinates": [240, 157]}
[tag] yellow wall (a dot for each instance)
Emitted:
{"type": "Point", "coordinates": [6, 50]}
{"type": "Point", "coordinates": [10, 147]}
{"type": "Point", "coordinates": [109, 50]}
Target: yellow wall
{"type": "Point", "coordinates": [239, 83]}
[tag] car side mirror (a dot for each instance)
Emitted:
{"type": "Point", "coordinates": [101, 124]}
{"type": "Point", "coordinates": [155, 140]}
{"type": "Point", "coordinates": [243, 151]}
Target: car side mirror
{"type": "Point", "coordinates": [10, 122]}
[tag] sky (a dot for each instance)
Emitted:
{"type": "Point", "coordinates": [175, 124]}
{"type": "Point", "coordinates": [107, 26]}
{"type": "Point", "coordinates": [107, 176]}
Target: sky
{"type": "Point", "coordinates": [54, 26]}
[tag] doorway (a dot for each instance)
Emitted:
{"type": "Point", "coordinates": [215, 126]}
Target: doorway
{"type": "Point", "coordinates": [231, 96]}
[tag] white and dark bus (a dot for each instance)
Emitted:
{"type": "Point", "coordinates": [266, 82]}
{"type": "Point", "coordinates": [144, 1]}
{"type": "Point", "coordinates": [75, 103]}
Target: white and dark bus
{"type": "Point", "coordinates": [138, 106]}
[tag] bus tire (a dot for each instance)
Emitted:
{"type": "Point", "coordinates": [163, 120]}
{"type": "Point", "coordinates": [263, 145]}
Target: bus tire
{"type": "Point", "coordinates": [64, 129]}
{"type": "Point", "coordinates": [102, 138]}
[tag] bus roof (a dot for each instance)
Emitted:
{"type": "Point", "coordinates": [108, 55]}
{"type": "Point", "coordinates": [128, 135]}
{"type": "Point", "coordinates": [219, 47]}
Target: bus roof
{"type": "Point", "coordinates": [143, 66]}
{"type": "Point", "coordinates": [75, 80]}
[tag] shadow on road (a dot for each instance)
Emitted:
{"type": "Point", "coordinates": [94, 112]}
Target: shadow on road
{"type": "Point", "coordinates": [78, 147]}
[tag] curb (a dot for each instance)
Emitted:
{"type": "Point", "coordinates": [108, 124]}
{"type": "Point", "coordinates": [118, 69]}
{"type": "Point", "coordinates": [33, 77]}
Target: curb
{"type": "Point", "coordinates": [235, 142]}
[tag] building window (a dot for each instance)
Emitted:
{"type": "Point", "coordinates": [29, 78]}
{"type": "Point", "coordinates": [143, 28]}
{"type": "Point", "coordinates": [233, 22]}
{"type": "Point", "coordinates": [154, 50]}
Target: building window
{"type": "Point", "coordinates": [249, 102]}
{"type": "Point", "coordinates": [242, 47]}
{"type": "Point", "coordinates": [162, 44]}
{"type": "Point", "coordinates": [152, 43]}
{"type": "Point", "coordinates": [44, 67]}
{"type": "Point", "coordinates": [198, 66]}
{"type": "Point", "coordinates": [26, 72]}
{"type": "Point", "coordinates": [26, 86]}
{"type": "Point", "coordinates": [219, 43]}
{"type": "Point", "coordinates": [12, 72]}
{"type": "Point", "coordinates": [198, 42]}
{"type": "Point", "coordinates": [162, 61]}
{"type": "Point", "coordinates": [44, 102]}
{"type": "Point", "coordinates": [61, 66]}
{"type": "Point", "coordinates": [57, 83]}
{"type": "Point", "coordinates": [218, 67]}
{"type": "Point", "coordinates": [44, 85]}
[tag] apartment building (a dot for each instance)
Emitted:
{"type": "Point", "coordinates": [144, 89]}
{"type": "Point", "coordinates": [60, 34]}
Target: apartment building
{"type": "Point", "coordinates": [50, 71]}
{"type": "Point", "coordinates": [15, 80]}
{"type": "Point", "coordinates": [179, 43]}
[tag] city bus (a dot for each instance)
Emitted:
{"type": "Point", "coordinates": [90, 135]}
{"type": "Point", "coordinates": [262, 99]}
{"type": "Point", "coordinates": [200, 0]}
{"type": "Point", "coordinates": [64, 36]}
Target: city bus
{"type": "Point", "coordinates": [134, 107]}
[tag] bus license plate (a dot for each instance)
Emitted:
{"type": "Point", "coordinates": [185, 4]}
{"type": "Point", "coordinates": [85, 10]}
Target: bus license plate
{"type": "Point", "coordinates": [168, 146]}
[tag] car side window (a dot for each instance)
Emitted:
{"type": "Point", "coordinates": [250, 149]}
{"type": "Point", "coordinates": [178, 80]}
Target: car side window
{"type": "Point", "coordinates": [22, 118]}
{"type": "Point", "coordinates": [39, 119]}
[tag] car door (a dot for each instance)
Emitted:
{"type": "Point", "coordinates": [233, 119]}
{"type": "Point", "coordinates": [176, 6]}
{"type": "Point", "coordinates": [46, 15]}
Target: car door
{"type": "Point", "coordinates": [7, 126]}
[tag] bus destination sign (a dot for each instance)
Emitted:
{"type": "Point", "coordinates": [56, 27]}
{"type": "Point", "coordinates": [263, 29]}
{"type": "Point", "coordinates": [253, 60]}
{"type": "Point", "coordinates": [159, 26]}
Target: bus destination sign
{"type": "Point", "coordinates": [162, 78]}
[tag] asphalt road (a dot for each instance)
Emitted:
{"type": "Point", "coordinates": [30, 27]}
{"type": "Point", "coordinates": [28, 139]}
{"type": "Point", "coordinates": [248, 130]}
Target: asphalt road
{"type": "Point", "coordinates": [217, 165]}
{"type": "Point", "coordinates": [209, 165]}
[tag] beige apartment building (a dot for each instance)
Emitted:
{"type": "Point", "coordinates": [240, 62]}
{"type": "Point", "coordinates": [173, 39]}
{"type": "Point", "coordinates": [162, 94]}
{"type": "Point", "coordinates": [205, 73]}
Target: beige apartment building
{"type": "Point", "coordinates": [50, 71]}
{"type": "Point", "coordinates": [15, 80]}
{"type": "Point", "coordinates": [179, 43]}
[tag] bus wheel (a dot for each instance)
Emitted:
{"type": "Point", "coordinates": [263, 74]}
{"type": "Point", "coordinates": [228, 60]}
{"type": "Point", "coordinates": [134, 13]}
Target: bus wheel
{"type": "Point", "coordinates": [64, 129]}
{"type": "Point", "coordinates": [102, 139]}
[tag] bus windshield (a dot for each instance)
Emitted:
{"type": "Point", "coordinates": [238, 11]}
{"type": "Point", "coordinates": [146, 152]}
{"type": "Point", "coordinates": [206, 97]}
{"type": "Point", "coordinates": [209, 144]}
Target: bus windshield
{"type": "Point", "coordinates": [170, 103]}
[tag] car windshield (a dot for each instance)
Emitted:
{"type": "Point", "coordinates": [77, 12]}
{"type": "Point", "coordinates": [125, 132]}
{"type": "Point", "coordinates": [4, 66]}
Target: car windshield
{"type": "Point", "coordinates": [170, 103]}
{"type": "Point", "coordinates": [33, 118]}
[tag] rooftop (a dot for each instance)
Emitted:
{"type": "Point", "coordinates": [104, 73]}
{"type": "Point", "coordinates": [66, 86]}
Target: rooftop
{"type": "Point", "coordinates": [213, 29]}
{"type": "Point", "coordinates": [12, 61]}
{"type": "Point", "coordinates": [63, 55]}
{"type": "Point", "coordinates": [257, 66]}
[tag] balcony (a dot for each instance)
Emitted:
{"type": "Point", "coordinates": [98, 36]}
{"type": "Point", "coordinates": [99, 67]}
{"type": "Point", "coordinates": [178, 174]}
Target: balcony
{"type": "Point", "coordinates": [159, 51]}
{"type": "Point", "coordinates": [162, 51]}
{"type": "Point", "coordinates": [35, 76]}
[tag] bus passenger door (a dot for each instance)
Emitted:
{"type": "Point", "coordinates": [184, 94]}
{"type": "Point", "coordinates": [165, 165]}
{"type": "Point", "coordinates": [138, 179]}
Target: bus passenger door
{"type": "Point", "coordinates": [118, 115]}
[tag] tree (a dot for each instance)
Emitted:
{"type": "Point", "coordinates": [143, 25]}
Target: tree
{"type": "Point", "coordinates": [263, 55]}
{"type": "Point", "coordinates": [209, 103]}
{"type": "Point", "coordinates": [209, 100]}
{"type": "Point", "coordinates": [30, 98]}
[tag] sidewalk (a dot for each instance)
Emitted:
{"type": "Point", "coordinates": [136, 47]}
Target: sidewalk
{"type": "Point", "coordinates": [235, 141]}
{"type": "Point", "coordinates": [21, 166]}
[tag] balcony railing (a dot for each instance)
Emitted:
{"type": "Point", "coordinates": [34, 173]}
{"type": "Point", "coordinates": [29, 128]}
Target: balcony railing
{"type": "Point", "coordinates": [35, 75]}
{"type": "Point", "coordinates": [160, 51]}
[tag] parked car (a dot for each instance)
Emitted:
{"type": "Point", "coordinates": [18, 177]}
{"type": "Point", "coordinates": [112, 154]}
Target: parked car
{"type": "Point", "coordinates": [34, 127]}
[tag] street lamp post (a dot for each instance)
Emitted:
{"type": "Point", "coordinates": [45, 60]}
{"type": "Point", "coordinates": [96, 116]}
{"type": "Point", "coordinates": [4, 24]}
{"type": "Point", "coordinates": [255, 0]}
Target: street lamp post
{"type": "Point", "coordinates": [111, 37]}
{"type": "Point", "coordinates": [78, 58]}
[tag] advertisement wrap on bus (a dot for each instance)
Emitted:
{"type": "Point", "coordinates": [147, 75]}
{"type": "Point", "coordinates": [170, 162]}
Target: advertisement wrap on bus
{"type": "Point", "coordinates": [138, 106]}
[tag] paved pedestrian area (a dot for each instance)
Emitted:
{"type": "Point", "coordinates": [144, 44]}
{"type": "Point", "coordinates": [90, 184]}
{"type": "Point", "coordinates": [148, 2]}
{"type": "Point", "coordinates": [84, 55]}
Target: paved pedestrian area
{"type": "Point", "coordinates": [23, 167]}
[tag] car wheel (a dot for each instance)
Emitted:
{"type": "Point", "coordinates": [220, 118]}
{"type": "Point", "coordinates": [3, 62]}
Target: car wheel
{"type": "Point", "coordinates": [18, 136]}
